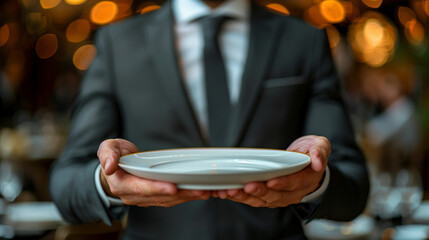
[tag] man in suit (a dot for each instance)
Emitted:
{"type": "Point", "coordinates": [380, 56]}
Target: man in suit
{"type": "Point", "coordinates": [146, 85]}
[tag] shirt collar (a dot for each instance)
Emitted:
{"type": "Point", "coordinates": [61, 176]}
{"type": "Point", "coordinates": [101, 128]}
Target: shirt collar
{"type": "Point", "coordinates": [186, 11]}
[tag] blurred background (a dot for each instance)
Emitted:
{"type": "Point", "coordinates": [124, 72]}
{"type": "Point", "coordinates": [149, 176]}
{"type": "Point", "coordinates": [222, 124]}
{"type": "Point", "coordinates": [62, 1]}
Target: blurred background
{"type": "Point", "coordinates": [381, 48]}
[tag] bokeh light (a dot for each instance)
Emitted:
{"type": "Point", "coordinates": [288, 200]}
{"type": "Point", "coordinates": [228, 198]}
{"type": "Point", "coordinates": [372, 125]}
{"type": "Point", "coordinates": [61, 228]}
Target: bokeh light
{"type": "Point", "coordinates": [46, 4]}
{"type": "Point", "coordinates": [84, 56]}
{"type": "Point", "coordinates": [123, 5]}
{"type": "Point", "coordinates": [426, 6]}
{"type": "Point", "coordinates": [47, 46]}
{"type": "Point", "coordinates": [78, 30]}
{"type": "Point", "coordinates": [104, 12]}
{"type": "Point", "coordinates": [148, 8]}
{"type": "Point", "coordinates": [4, 34]}
{"type": "Point", "coordinates": [333, 36]}
{"type": "Point", "coordinates": [124, 9]}
{"type": "Point", "coordinates": [373, 39]}
{"type": "Point", "coordinates": [332, 11]}
{"type": "Point", "coordinates": [373, 32]}
{"type": "Point", "coordinates": [278, 8]}
{"type": "Point", "coordinates": [75, 2]}
{"type": "Point", "coordinates": [372, 3]}
{"type": "Point", "coordinates": [405, 15]}
{"type": "Point", "coordinates": [313, 16]}
{"type": "Point", "coordinates": [352, 12]}
{"type": "Point", "coordinates": [414, 32]}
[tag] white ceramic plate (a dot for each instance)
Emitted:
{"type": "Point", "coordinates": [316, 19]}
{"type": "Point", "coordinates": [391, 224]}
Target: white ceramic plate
{"type": "Point", "coordinates": [321, 229]}
{"type": "Point", "coordinates": [31, 218]}
{"type": "Point", "coordinates": [421, 215]}
{"type": "Point", "coordinates": [213, 168]}
{"type": "Point", "coordinates": [414, 232]}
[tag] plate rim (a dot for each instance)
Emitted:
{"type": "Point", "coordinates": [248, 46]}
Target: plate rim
{"type": "Point", "coordinates": [168, 172]}
{"type": "Point", "coordinates": [214, 148]}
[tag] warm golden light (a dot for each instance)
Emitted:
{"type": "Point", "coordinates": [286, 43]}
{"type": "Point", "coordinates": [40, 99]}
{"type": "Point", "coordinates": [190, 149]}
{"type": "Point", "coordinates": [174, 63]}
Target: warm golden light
{"type": "Point", "coordinates": [333, 36]}
{"type": "Point", "coordinates": [352, 12]}
{"type": "Point", "coordinates": [313, 16]}
{"type": "Point", "coordinates": [405, 15]}
{"type": "Point", "coordinates": [78, 30]}
{"type": "Point", "coordinates": [332, 11]}
{"type": "Point", "coordinates": [46, 4]}
{"type": "Point", "coordinates": [372, 38]}
{"type": "Point", "coordinates": [149, 8]}
{"type": "Point", "coordinates": [373, 32]}
{"type": "Point", "coordinates": [47, 46]}
{"type": "Point", "coordinates": [104, 12]}
{"type": "Point", "coordinates": [426, 6]}
{"type": "Point", "coordinates": [124, 5]}
{"type": "Point", "coordinates": [377, 58]}
{"type": "Point", "coordinates": [414, 32]}
{"type": "Point", "coordinates": [278, 8]}
{"type": "Point", "coordinates": [84, 56]}
{"type": "Point", "coordinates": [372, 3]}
{"type": "Point", "coordinates": [75, 2]}
{"type": "Point", "coordinates": [4, 34]}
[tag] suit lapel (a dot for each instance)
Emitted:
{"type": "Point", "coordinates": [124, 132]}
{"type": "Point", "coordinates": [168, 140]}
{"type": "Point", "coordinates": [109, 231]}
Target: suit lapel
{"type": "Point", "coordinates": [166, 66]}
{"type": "Point", "coordinates": [264, 31]}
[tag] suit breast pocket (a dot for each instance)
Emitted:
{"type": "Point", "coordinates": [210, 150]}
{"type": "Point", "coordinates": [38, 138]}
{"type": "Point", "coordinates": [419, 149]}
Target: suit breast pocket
{"type": "Point", "coordinates": [284, 81]}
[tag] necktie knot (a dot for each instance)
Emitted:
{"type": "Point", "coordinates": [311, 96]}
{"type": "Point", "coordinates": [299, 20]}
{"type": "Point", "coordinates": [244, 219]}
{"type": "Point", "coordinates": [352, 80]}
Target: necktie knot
{"type": "Point", "coordinates": [211, 26]}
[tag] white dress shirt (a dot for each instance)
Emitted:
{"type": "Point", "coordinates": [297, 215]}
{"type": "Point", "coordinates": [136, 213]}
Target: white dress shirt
{"type": "Point", "coordinates": [233, 41]}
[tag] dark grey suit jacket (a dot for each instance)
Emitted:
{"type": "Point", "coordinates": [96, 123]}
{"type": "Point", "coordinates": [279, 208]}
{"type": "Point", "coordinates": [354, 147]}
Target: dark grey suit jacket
{"type": "Point", "coordinates": [133, 90]}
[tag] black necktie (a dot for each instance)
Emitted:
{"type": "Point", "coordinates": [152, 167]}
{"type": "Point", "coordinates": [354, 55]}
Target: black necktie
{"type": "Point", "coordinates": [218, 102]}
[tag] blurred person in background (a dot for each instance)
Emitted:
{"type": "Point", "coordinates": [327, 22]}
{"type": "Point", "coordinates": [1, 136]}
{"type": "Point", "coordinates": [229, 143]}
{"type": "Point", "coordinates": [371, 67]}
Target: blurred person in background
{"type": "Point", "coordinates": [392, 134]}
{"type": "Point", "coordinates": [147, 85]}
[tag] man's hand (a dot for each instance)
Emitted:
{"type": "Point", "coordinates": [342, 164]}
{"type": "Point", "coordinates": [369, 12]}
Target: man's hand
{"type": "Point", "coordinates": [290, 189]}
{"type": "Point", "coordinates": [134, 190]}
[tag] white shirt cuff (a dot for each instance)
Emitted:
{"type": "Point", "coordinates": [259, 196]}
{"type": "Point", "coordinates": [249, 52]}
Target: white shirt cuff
{"type": "Point", "coordinates": [314, 195]}
{"type": "Point", "coordinates": [108, 201]}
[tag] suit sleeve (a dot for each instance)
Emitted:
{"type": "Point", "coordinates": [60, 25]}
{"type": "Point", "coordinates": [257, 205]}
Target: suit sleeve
{"type": "Point", "coordinates": [95, 117]}
{"type": "Point", "coordinates": [347, 192]}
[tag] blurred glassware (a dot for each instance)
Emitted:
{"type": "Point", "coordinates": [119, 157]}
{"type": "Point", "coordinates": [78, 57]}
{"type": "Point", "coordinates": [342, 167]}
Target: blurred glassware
{"type": "Point", "coordinates": [421, 215]}
{"type": "Point", "coordinates": [10, 182]}
{"type": "Point", "coordinates": [409, 184]}
{"type": "Point", "coordinates": [321, 229]}
{"type": "Point", "coordinates": [396, 194]}
{"type": "Point", "coordinates": [33, 218]}
{"type": "Point", "coordinates": [415, 232]}
{"type": "Point", "coordinates": [6, 232]}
